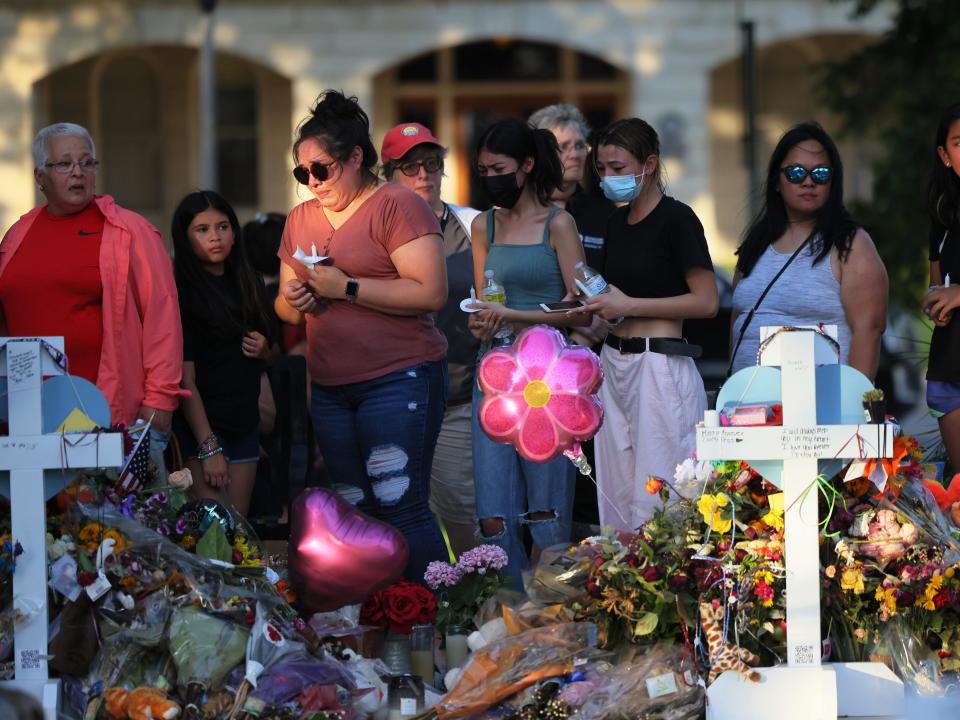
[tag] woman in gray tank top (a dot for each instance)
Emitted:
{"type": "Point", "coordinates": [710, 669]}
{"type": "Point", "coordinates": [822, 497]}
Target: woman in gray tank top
{"type": "Point", "coordinates": [532, 248]}
{"type": "Point", "coordinates": [834, 276]}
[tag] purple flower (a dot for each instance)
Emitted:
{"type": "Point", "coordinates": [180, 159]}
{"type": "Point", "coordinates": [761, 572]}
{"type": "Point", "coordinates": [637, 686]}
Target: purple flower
{"type": "Point", "coordinates": [441, 574]}
{"type": "Point", "coordinates": [161, 497]}
{"type": "Point", "coordinates": [163, 529]}
{"type": "Point", "coordinates": [482, 558]}
{"type": "Point", "coordinates": [126, 508]}
{"type": "Point", "coordinates": [181, 527]}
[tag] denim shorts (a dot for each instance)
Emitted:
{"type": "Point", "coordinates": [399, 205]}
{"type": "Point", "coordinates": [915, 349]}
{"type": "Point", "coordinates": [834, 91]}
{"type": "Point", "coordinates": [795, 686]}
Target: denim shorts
{"type": "Point", "coordinates": [238, 448]}
{"type": "Point", "coordinates": [942, 397]}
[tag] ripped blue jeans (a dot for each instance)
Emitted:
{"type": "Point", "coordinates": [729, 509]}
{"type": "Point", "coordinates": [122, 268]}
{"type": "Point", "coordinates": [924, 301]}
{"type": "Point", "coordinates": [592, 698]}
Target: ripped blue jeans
{"type": "Point", "coordinates": [377, 438]}
{"type": "Point", "coordinates": [519, 492]}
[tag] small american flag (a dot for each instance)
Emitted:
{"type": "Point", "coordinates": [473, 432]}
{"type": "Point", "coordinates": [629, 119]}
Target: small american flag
{"type": "Point", "coordinates": [136, 471]}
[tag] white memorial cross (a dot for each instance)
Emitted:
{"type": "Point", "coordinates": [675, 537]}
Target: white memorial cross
{"type": "Point", "coordinates": [803, 689]}
{"type": "Point", "coordinates": [26, 452]}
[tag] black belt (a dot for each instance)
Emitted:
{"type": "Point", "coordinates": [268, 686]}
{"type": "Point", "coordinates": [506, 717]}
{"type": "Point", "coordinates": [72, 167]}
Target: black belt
{"type": "Point", "coordinates": [664, 346]}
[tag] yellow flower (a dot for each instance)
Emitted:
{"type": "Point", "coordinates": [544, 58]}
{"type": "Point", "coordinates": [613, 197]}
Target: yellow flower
{"type": "Point", "coordinates": [120, 543]}
{"type": "Point", "coordinates": [774, 518]}
{"type": "Point", "coordinates": [713, 508]}
{"type": "Point", "coordinates": [887, 598]}
{"type": "Point", "coordinates": [831, 571]}
{"type": "Point", "coordinates": [851, 578]}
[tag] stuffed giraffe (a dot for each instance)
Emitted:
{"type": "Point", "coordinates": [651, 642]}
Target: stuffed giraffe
{"type": "Point", "coordinates": [724, 655]}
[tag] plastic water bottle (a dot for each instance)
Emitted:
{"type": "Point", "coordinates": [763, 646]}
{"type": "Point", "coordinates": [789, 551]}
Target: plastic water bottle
{"type": "Point", "coordinates": [495, 292]}
{"type": "Point", "coordinates": [591, 284]}
{"type": "Point", "coordinates": [492, 290]}
{"type": "Point", "coordinates": [588, 280]}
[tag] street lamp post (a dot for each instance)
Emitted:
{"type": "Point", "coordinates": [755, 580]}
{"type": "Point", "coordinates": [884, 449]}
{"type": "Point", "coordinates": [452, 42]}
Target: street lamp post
{"type": "Point", "coordinates": [207, 85]}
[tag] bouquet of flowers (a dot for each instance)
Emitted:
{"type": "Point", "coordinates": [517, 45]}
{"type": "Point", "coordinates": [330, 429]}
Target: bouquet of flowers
{"type": "Point", "coordinates": [464, 587]}
{"type": "Point", "coordinates": [398, 608]}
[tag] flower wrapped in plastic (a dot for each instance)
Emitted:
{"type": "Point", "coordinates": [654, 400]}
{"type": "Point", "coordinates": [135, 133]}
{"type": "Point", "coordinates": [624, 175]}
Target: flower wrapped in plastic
{"type": "Point", "coordinates": [653, 685]}
{"type": "Point", "coordinates": [266, 647]}
{"type": "Point", "coordinates": [540, 394]}
{"type": "Point", "coordinates": [289, 677]}
{"type": "Point", "coordinates": [507, 666]}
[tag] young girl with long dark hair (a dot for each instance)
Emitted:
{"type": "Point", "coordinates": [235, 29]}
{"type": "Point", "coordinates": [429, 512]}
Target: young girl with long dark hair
{"type": "Point", "coordinates": [227, 336]}
{"type": "Point", "coordinates": [943, 200]}
{"type": "Point", "coordinates": [532, 247]}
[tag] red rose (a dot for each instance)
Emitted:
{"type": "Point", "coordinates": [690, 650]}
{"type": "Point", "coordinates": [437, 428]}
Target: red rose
{"type": "Point", "coordinates": [401, 604]}
{"type": "Point", "coordinates": [428, 608]}
{"type": "Point", "coordinates": [372, 611]}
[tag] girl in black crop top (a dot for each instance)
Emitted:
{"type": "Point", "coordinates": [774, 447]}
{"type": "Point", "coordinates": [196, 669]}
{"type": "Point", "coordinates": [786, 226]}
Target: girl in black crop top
{"type": "Point", "coordinates": [943, 367]}
{"type": "Point", "coordinates": [659, 273]}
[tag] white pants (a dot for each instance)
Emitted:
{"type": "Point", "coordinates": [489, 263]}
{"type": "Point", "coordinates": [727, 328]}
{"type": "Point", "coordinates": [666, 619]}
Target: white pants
{"type": "Point", "coordinates": [651, 404]}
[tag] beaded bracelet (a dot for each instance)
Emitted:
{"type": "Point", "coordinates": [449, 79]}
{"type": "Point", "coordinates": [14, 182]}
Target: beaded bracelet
{"type": "Point", "coordinates": [210, 454]}
{"type": "Point", "coordinates": [211, 443]}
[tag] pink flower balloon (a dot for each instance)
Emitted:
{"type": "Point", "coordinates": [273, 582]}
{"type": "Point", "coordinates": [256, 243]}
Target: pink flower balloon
{"type": "Point", "coordinates": [337, 554]}
{"type": "Point", "coordinates": [540, 394]}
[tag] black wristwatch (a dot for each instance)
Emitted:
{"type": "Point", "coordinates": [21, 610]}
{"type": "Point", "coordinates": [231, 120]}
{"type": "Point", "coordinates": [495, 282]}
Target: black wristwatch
{"type": "Point", "coordinates": [353, 287]}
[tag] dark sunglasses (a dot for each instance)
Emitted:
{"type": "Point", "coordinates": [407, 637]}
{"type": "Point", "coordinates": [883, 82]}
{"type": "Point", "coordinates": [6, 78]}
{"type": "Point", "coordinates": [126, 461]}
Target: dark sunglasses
{"type": "Point", "coordinates": [412, 167]}
{"type": "Point", "coordinates": [796, 174]}
{"type": "Point", "coordinates": [320, 171]}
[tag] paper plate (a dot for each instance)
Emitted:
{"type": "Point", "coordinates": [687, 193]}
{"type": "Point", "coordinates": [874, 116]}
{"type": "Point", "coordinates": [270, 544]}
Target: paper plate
{"type": "Point", "coordinates": [469, 301]}
{"type": "Point", "coordinates": [840, 391]}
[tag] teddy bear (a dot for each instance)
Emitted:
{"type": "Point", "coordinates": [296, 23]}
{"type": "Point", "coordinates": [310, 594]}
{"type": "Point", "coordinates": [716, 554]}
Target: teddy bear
{"type": "Point", "coordinates": [142, 703]}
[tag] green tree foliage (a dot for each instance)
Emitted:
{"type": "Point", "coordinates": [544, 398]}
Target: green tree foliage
{"type": "Point", "coordinates": [891, 93]}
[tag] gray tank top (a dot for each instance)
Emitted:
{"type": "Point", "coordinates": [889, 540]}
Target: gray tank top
{"type": "Point", "coordinates": [806, 294]}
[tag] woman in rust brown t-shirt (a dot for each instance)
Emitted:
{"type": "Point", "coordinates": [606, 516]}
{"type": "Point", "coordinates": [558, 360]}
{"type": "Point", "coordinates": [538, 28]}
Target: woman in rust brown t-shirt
{"type": "Point", "coordinates": [376, 359]}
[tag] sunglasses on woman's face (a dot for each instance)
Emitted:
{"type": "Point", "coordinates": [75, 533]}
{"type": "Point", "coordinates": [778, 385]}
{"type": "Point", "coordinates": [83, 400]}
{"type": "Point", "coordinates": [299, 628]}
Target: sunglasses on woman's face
{"type": "Point", "coordinates": [796, 174]}
{"type": "Point", "coordinates": [320, 171]}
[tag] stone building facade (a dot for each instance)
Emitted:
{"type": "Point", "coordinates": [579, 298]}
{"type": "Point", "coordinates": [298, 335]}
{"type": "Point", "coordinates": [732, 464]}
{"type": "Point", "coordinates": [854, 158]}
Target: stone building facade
{"type": "Point", "coordinates": [128, 71]}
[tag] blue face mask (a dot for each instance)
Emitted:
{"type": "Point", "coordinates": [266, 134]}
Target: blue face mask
{"type": "Point", "coordinates": [622, 188]}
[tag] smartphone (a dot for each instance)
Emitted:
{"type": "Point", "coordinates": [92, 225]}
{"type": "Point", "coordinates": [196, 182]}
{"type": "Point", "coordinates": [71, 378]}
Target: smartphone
{"type": "Point", "coordinates": [563, 306]}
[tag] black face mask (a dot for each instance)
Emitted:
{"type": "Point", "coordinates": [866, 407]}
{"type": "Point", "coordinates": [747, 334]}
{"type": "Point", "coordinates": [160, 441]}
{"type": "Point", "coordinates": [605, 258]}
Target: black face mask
{"type": "Point", "coordinates": [501, 190]}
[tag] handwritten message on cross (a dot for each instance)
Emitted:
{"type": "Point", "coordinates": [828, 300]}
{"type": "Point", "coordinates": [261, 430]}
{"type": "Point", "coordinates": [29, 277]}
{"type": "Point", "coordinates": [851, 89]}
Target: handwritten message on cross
{"type": "Point", "coordinates": [800, 443]}
{"type": "Point", "coordinates": [26, 452]}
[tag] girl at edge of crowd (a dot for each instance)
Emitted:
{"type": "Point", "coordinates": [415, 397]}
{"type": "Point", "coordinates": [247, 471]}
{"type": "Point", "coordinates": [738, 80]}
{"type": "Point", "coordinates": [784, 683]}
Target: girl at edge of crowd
{"type": "Point", "coordinates": [532, 247]}
{"type": "Point", "coordinates": [659, 271]}
{"type": "Point", "coordinates": [227, 339]}
{"type": "Point", "coordinates": [943, 368]}
{"type": "Point", "coordinates": [376, 358]}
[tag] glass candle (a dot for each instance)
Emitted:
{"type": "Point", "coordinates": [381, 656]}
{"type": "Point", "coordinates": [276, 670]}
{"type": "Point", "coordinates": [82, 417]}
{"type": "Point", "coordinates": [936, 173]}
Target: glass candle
{"type": "Point", "coordinates": [421, 652]}
{"type": "Point", "coordinates": [457, 649]}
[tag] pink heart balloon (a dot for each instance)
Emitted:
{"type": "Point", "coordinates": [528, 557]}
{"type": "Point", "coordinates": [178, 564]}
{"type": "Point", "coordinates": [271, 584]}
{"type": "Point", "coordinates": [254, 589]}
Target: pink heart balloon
{"type": "Point", "coordinates": [339, 555]}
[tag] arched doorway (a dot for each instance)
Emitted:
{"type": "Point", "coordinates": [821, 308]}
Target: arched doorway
{"type": "Point", "coordinates": [457, 91]}
{"type": "Point", "coordinates": [785, 77]}
{"type": "Point", "coordinates": [140, 105]}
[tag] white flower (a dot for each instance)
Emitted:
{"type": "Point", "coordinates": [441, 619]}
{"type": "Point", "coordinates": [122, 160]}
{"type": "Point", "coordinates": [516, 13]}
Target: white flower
{"type": "Point", "coordinates": [181, 479]}
{"type": "Point", "coordinates": [861, 524]}
{"type": "Point", "coordinates": [703, 471]}
{"type": "Point", "coordinates": [685, 472]}
{"type": "Point", "coordinates": [691, 476]}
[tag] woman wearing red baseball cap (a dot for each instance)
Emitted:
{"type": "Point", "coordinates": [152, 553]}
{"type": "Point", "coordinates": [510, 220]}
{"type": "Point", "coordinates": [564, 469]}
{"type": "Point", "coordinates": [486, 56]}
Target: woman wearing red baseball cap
{"type": "Point", "coordinates": [413, 158]}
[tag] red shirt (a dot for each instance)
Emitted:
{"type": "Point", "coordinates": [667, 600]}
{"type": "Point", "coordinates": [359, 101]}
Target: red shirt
{"type": "Point", "coordinates": [52, 286]}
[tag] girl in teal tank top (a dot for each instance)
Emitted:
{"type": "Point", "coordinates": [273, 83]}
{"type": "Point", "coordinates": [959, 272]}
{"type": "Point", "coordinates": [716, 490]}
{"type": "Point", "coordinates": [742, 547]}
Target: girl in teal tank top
{"type": "Point", "coordinates": [519, 168]}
